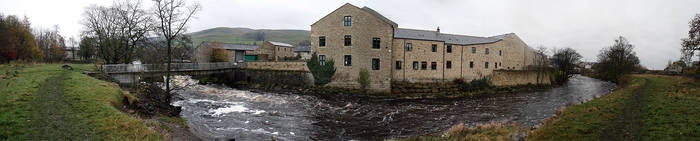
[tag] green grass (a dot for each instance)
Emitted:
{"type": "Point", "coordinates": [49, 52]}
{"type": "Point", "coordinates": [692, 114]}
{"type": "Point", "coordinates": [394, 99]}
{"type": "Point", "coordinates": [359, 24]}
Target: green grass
{"type": "Point", "coordinates": [175, 120]}
{"type": "Point", "coordinates": [490, 131]}
{"type": "Point", "coordinates": [84, 105]}
{"type": "Point", "coordinates": [650, 108]}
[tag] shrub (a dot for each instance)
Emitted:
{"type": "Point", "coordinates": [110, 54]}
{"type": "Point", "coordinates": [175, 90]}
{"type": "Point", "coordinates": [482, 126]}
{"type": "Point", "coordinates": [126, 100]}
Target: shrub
{"type": "Point", "coordinates": [364, 78]}
{"type": "Point", "coordinates": [476, 84]}
{"type": "Point", "coordinates": [322, 73]}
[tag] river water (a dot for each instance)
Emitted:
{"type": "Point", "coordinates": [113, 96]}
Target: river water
{"type": "Point", "coordinates": [216, 112]}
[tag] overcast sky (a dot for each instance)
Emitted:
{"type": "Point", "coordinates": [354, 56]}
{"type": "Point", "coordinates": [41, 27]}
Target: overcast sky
{"type": "Point", "coordinates": [655, 27]}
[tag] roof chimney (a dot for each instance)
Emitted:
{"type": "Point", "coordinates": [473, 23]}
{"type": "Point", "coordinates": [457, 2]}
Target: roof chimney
{"type": "Point", "coordinates": [438, 30]}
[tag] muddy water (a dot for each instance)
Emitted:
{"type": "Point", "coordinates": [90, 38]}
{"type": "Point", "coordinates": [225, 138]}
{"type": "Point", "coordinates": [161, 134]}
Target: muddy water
{"type": "Point", "coordinates": [217, 112]}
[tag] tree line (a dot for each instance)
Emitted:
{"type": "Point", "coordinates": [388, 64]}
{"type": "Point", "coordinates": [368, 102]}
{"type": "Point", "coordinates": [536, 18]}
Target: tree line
{"type": "Point", "coordinates": [19, 42]}
{"type": "Point", "coordinates": [127, 31]}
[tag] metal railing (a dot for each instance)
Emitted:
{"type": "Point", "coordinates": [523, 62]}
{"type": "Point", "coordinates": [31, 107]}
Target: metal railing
{"type": "Point", "coordinates": [128, 68]}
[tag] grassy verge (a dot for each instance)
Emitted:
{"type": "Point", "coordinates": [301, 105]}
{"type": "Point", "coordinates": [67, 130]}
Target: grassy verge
{"type": "Point", "coordinates": [650, 108]}
{"type": "Point", "coordinates": [490, 131]}
{"type": "Point", "coordinates": [90, 101]}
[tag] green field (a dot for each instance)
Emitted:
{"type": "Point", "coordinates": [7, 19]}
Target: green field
{"type": "Point", "coordinates": [45, 102]}
{"type": "Point", "coordinates": [650, 108]}
{"type": "Point", "coordinates": [243, 35]}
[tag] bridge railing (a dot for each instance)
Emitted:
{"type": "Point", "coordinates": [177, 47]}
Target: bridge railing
{"type": "Point", "coordinates": [127, 68]}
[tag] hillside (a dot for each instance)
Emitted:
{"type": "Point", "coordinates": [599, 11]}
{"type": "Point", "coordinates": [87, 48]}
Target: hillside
{"type": "Point", "coordinates": [249, 36]}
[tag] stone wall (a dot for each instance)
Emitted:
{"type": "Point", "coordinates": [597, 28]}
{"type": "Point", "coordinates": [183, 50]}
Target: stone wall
{"type": "Point", "coordinates": [520, 77]}
{"type": "Point", "coordinates": [365, 26]}
{"type": "Point", "coordinates": [281, 65]}
{"type": "Point", "coordinates": [276, 78]}
{"type": "Point", "coordinates": [423, 88]}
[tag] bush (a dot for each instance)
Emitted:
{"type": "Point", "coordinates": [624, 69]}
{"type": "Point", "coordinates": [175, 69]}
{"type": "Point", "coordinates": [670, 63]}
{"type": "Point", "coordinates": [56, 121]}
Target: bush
{"type": "Point", "coordinates": [476, 84]}
{"type": "Point", "coordinates": [364, 78]}
{"type": "Point", "coordinates": [322, 72]}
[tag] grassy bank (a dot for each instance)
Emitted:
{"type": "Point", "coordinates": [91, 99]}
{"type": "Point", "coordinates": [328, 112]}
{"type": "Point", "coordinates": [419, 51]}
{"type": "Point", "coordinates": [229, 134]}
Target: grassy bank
{"type": "Point", "coordinates": [650, 108]}
{"type": "Point", "coordinates": [45, 102]}
{"type": "Point", "coordinates": [490, 131]}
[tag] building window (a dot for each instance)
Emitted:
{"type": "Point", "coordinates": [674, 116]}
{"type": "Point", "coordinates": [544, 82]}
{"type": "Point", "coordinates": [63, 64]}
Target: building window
{"type": "Point", "coordinates": [434, 47]}
{"type": "Point", "coordinates": [322, 41]}
{"type": "Point", "coordinates": [375, 43]}
{"type": "Point", "coordinates": [375, 63]}
{"type": "Point", "coordinates": [433, 65]}
{"type": "Point", "coordinates": [495, 65]}
{"type": "Point", "coordinates": [398, 65]}
{"type": "Point", "coordinates": [348, 60]}
{"type": "Point", "coordinates": [322, 59]}
{"type": "Point", "coordinates": [471, 64]}
{"type": "Point", "coordinates": [486, 51]}
{"type": "Point", "coordinates": [499, 52]}
{"type": "Point", "coordinates": [415, 65]}
{"type": "Point", "coordinates": [348, 40]}
{"type": "Point", "coordinates": [423, 65]}
{"type": "Point", "coordinates": [448, 64]}
{"type": "Point", "coordinates": [473, 50]}
{"type": "Point", "coordinates": [486, 65]}
{"type": "Point", "coordinates": [449, 48]}
{"type": "Point", "coordinates": [409, 46]}
{"type": "Point", "coordinates": [347, 21]}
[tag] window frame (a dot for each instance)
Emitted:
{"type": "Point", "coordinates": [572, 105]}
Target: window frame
{"type": "Point", "coordinates": [347, 40]}
{"type": "Point", "coordinates": [399, 65]}
{"type": "Point", "coordinates": [486, 65]}
{"type": "Point", "coordinates": [473, 50]}
{"type": "Point", "coordinates": [322, 41]}
{"type": "Point", "coordinates": [347, 21]}
{"type": "Point", "coordinates": [322, 60]}
{"type": "Point", "coordinates": [375, 63]}
{"type": "Point", "coordinates": [433, 65]}
{"type": "Point", "coordinates": [449, 49]}
{"type": "Point", "coordinates": [376, 43]}
{"type": "Point", "coordinates": [448, 64]}
{"type": "Point", "coordinates": [486, 51]}
{"type": "Point", "coordinates": [423, 65]}
{"type": "Point", "coordinates": [408, 47]}
{"type": "Point", "coordinates": [415, 65]}
{"type": "Point", "coordinates": [347, 60]}
{"type": "Point", "coordinates": [434, 47]}
{"type": "Point", "coordinates": [471, 64]}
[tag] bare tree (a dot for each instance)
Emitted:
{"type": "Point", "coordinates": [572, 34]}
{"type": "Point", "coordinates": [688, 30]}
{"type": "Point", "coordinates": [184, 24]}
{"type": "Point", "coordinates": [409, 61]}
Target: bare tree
{"type": "Point", "coordinates": [172, 17]}
{"type": "Point", "coordinates": [565, 61]}
{"type": "Point", "coordinates": [616, 61]}
{"type": "Point", "coordinates": [541, 61]}
{"type": "Point", "coordinates": [118, 29]}
{"type": "Point", "coordinates": [692, 43]}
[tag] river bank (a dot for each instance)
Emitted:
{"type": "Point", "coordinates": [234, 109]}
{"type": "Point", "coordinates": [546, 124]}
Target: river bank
{"type": "Point", "coordinates": [220, 112]}
{"type": "Point", "coordinates": [46, 102]}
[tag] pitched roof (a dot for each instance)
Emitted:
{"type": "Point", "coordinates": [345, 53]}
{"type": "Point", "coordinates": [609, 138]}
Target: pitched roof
{"type": "Point", "coordinates": [228, 46]}
{"type": "Point", "coordinates": [403, 33]}
{"type": "Point", "coordinates": [302, 49]}
{"type": "Point", "coordinates": [380, 16]}
{"type": "Point", "coordinates": [366, 9]}
{"type": "Point", "coordinates": [280, 44]}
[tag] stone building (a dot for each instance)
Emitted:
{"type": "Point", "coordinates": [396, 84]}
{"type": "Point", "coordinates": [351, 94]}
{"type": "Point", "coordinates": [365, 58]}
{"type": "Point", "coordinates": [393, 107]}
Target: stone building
{"type": "Point", "coordinates": [360, 38]}
{"type": "Point", "coordinates": [274, 51]}
{"type": "Point", "coordinates": [303, 51]}
{"type": "Point", "coordinates": [235, 52]}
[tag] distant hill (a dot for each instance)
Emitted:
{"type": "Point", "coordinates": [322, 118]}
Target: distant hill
{"type": "Point", "coordinates": [249, 36]}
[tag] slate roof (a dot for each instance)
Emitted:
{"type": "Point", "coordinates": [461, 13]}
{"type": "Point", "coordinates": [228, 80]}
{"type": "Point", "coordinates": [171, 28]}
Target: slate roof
{"type": "Point", "coordinates": [280, 44]}
{"type": "Point", "coordinates": [302, 49]}
{"type": "Point", "coordinates": [403, 33]}
{"type": "Point", "coordinates": [232, 46]}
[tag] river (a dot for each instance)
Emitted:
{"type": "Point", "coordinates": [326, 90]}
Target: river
{"type": "Point", "coordinates": [217, 112]}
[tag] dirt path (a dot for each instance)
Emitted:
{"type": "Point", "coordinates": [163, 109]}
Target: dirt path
{"type": "Point", "coordinates": [54, 118]}
{"type": "Point", "coordinates": [629, 124]}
